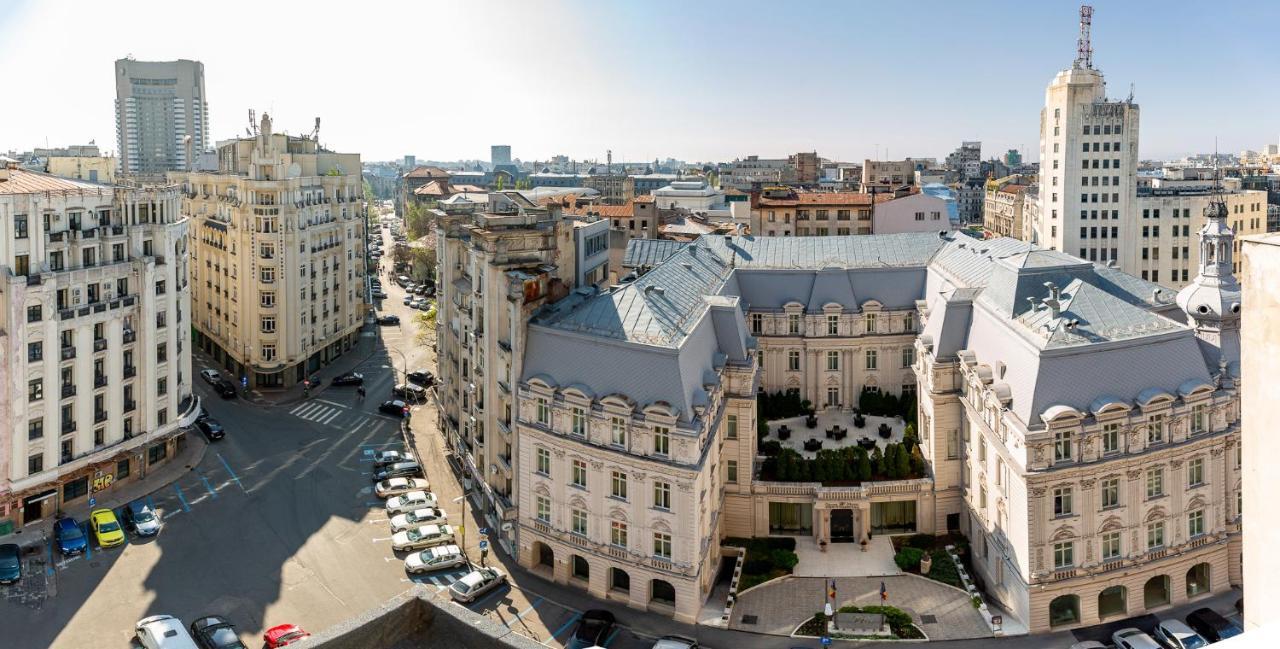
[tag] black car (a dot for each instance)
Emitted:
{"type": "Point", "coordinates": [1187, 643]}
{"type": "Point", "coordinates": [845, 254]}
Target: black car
{"type": "Point", "coordinates": [389, 320]}
{"type": "Point", "coordinates": [406, 469]}
{"type": "Point", "coordinates": [214, 632]}
{"type": "Point", "coordinates": [225, 389]}
{"type": "Point", "coordinates": [350, 378]}
{"type": "Point", "coordinates": [422, 377]}
{"type": "Point", "coordinates": [395, 407]}
{"type": "Point", "coordinates": [1211, 626]}
{"type": "Point", "coordinates": [410, 392]}
{"type": "Point", "coordinates": [211, 428]}
{"type": "Point", "coordinates": [593, 629]}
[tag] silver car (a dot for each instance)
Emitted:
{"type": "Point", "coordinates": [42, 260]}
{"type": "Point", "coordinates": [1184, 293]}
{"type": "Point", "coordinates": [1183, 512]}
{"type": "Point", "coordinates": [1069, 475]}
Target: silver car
{"type": "Point", "coordinates": [425, 536]}
{"type": "Point", "coordinates": [437, 558]}
{"type": "Point", "coordinates": [1131, 638]}
{"type": "Point", "coordinates": [1175, 634]}
{"type": "Point", "coordinates": [475, 584]}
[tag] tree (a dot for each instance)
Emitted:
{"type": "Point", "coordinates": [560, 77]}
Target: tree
{"type": "Point", "coordinates": [418, 221]}
{"type": "Point", "coordinates": [917, 463]}
{"type": "Point", "coordinates": [500, 181]}
{"type": "Point", "coordinates": [901, 463]}
{"type": "Point", "coordinates": [863, 467]}
{"type": "Point", "coordinates": [877, 462]}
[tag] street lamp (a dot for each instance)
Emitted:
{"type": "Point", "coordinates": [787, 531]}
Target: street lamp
{"type": "Point", "coordinates": [466, 487]}
{"type": "Point", "coordinates": [406, 364]}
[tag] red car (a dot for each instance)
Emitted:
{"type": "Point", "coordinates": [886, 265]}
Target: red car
{"type": "Point", "coordinates": [285, 634]}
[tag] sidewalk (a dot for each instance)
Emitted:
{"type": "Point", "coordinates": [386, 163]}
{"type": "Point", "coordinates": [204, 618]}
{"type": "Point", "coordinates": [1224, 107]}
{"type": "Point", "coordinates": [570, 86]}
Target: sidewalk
{"type": "Point", "coordinates": [154, 480]}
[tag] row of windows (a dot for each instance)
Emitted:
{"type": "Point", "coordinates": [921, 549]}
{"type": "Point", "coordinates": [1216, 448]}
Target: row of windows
{"type": "Point", "coordinates": [1093, 254]}
{"type": "Point", "coordinates": [1093, 214]}
{"type": "Point", "coordinates": [1105, 146]}
{"type": "Point", "coordinates": [1093, 198]}
{"type": "Point", "coordinates": [619, 535]}
{"type": "Point", "coordinates": [1064, 552]}
{"type": "Point", "coordinates": [870, 322]}
{"type": "Point", "coordinates": [1096, 232]}
{"type": "Point", "coordinates": [871, 359]}
{"type": "Point", "coordinates": [618, 481]}
{"type": "Point", "coordinates": [1109, 488]}
{"type": "Point", "coordinates": [618, 431]}
{"type": "Point", "coordinates": [822, 215]}
{"type": "Point", "coordinates": [1065, 448]}
{"type": "Point", "coordinates": [1154, 231]}
{"type": "Point", "coordinates": [1154, 253]}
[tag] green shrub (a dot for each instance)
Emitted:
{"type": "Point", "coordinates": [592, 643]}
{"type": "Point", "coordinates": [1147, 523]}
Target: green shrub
{"type": "Point", "coordinates": [908, 558]}
{"type": "Point", "coordinates": [921, 541]}
{"type": "Point", "coordinates": [771, 448]}
{"type": "Point", "coordinates": [899, 620]}
{"type": "Point", "coordinates": [944, 569]}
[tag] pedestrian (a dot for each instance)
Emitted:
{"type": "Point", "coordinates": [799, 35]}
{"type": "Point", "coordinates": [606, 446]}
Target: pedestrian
{"type": "Point", "coordinates": [360, 391]}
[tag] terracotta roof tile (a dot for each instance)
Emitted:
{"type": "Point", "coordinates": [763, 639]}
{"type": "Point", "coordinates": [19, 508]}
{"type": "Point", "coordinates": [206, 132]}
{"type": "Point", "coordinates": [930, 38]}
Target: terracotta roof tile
{"type": "Point", "coordinates": [818, 199]}
{"type": "Point", "coordinates": [427, 172]}
{"type": "Point", "coordinates": [21, 181]}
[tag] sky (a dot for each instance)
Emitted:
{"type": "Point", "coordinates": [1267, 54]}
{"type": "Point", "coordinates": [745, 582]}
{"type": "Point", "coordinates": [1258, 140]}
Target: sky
{"type": "Point", "coordinates": [697, 81]}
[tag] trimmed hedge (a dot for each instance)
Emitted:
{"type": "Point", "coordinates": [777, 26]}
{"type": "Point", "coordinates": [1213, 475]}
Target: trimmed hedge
{"type": "Point", "coordinates": [899, 620]}
{"type": "Point", "coordinates": [767, 558]}
{"type": "Point", "coordinates": [908, 559]}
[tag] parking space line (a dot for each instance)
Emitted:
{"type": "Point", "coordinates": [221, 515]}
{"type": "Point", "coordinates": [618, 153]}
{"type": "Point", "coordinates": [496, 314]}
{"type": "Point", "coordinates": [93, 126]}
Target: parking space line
{"type": "Point", "coordinates": [228, 468]}
{"type": "Point", "coordinates": [208, 486]}
{"type": "Point", "coordinates": [568, 623]}
{"type": "Point", "coordinates": [483, 601]}
{"type": "Point", "coordinates": [525, 612]}
{"type": "Point", "coordinates": [49, 566]}
{"type": "Point", "coordinates": [182, 499]}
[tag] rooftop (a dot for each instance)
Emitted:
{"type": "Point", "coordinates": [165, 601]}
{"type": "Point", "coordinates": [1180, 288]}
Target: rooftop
{"type": "Point", "coordinates": [22, 181]}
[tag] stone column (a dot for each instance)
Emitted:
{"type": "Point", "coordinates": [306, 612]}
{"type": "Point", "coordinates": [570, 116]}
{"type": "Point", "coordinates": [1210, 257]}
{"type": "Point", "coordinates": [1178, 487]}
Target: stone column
{"type": "Point", "coordinates": [864, 521]}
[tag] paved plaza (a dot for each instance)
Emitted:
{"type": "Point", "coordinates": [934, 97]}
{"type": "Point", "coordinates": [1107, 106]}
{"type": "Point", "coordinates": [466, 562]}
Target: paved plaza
{"type": "Point", "coordinates": [829, 418]}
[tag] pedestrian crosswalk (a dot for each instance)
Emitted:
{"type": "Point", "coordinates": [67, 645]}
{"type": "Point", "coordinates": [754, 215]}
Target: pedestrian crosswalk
{"type": "Point", "coordinates": [318, 412]}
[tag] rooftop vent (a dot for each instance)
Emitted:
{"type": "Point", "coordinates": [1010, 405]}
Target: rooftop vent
{"type": "Point", "coordinates": [656, 290]}
{"type": "Point", "coordinates": [687, 265]}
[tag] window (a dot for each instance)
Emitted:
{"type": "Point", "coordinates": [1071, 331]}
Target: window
{"type": "Point", "coordinates": [1062, 501]}
{"type": "Point", "coordinates": [731, 471]}
{"type": "Point", "coordinates": [35, 351]}
{"type": "Point", "coordinates": [908, 356]}
{"type": "Point", "coordinates": [1195, 472]}
{"type": "Point", "coordinates": [1110, 492]}
{"type": "Point", "coordinates": [267, 298]}
{"type": "Point", "coordinates": [267, 275]}
{"type": "Point", "coordinates": [618, 534]}
{"type": "Point", "coordinates": [793, 360]}
{"type": "Point", "coordinates": [1110, 438]}
{"type": "Point", "coordinates": [833, 324]}
{"type": "Point", "coordinates": [1195, 523]}
{"type": "Point", "coordinates": [35, 390]}
{"type": "Point", "coordinates": [757, 323]}
{"type": "Point", "coordinates": [919, 216]}
{"type": "Point", "coordinates": [34, 313]}
{"type": "Point", "coordinates": [544, 412]}
{"type": "Point", "coordinates": [833, 361]}
{"type": "Point", "coordinates": [579, 519]}
{"type": "Point", "coordinates": [793, 323]}
{"type": "Point", "coordinates": [578, 421]}
{"type": "Point", "coordinates": [1155, 535]}
{"type": "Point", "coordinates": [544, 461]}
{"type": "Point", "coordinates": [618, 431]}
{"type": "Point", "coordinates": [1155, 427]}
{"type": "Point", "coordinates": [544, 509]}
{"type": "Point", "coordinates": [579, 474]}
{"type": "Point", "coordinates": [1064, 555]}
{"type": "Point", "coordinates": [268, 323]}
{"type": "Point", "coordinates": [35, 429]}
{"type": "Point", "coordinates": [731, 427]}
{"type": "Point", "coordinates": [618, 488]}
{"type": "Point", "coordinates": [870, 320]}
{"type": "Point", "coordinates": [162, 386]}
{"type": "Point", "coordinates": [1110, 546]}
{"type": "Point", "coordinates": [833, 396]}
{"type": "Point", "coordinates": [908, 322]}
{"type": "Point", "coordinates": [662, 495]}
{"type": "Point", "coordinates": [1155, 482]}
{"type": "Point", "coordinates": [162, 352]}
{"type": "Point", "coordinates": [20, 226]}
{"type": "Point", "coordinates": [1199, 419]}
{"type": "Point", "coordinates": [661, 440]}
{"type": "Point", "coordinates": [662, 545]}
{"type": "Point", "coordinates": [1062, 446]}
{"type": "Point", "coordinates": [953, 444]}
{"type": "Point", "coordinates": [871, 359]}
{"type": "Point", "coordinates": [35, 464]}
{"type": "Point", "coordinates": [268, 352]}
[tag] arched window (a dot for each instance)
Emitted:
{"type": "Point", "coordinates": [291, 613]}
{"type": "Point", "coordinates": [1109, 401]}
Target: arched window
{"type": "Point", "coordinates": [1198, 580]}
{"type": "Point", "coordinates": [581, 569]}
{"type": "Point", "coordinates": [1113, 601]}
{"type": "Point", "coordinates": [662, 592]}
{"type": "Point", "coordinates": [1156, 591]}
{"type": "Point", "coordinates": [619, 580]}
{"type": "Point", "coordinates": [1064, 610]}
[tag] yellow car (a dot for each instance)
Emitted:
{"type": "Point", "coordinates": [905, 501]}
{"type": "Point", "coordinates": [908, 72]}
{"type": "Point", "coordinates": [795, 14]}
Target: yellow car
{"type": "Point", "coordinates": [106, 528]}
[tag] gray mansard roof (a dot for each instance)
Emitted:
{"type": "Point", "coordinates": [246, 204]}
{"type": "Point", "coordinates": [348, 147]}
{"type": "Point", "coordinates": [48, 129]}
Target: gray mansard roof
{"type": "Point", "coordinates": [661, 336]}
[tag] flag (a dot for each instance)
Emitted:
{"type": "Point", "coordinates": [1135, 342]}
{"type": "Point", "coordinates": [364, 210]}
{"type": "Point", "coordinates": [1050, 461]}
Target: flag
{"type": "Point", "coordinates": [831, 592]}
{"type": "Point", "coordinates": [884, 593]}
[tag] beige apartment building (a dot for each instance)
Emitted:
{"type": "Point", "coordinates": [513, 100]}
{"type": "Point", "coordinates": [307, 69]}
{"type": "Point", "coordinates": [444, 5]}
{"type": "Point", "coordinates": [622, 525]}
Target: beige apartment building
{"type": "Point", "coordinates": [1003, 205]}
{"type": "Point", "coordinates": [1168, 223]}
{"type": "Point", "coordinates": [277, 256]}
{"type": "Point", "coordinates": [96, 308]}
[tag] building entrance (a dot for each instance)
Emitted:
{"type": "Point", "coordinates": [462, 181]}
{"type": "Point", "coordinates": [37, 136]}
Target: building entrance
{"type": "Point", "coordinates": [841, 525]}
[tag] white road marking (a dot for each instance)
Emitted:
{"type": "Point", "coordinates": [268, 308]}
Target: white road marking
{"type": "Point", "coordinates": [378, 540]}
{"type": "Point", "coordinates": [333, 404]}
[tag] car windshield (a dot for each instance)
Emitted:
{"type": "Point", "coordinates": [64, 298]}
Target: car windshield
{"type": "Point", "coordinates": [225, 637]}
{"type": "Point", "coordinates": [292, 635]}
{"type": "Point", "coordinates": [414, 535]}
{"type": "Point", "coordinates": [1194, 642]}
{"type": "Point", "coordinates": [71, 532]}
{"type": "Point", "coordinates": [144, 516]}
{"type": "Point", "coordinates": [109, 526]}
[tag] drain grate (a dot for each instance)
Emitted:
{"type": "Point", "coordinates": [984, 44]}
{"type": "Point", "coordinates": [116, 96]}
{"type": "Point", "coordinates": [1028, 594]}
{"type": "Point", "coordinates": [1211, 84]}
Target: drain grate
{"type": "Point", "coordinates": [750, 619]}
{"type": "Point", "coordinates": [928, 619]}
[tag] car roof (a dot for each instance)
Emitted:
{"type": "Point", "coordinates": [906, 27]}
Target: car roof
{"type": "Point", "coordinates": [446, 550]}
{"type": "Point", "coordinates": [103, 514]}
{"type": "Point", "coordinates": [10, 549]}
{"type": "Point", "coordinates": [1176, 626]}
{"type": "Point", "coordinates": [68, 522]}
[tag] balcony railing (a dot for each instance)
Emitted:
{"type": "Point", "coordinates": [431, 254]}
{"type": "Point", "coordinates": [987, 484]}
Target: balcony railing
{"type": "Point", "coordinates": [99, 380]}
{"type": "Point", "coordinates": [130, 406]}
{"type": "Point", "coordinates": [100, 344]}
{"type": "Point", "coordinates": [129, 336]}
{"type": "Point", "coordinates": [68, 391]}
{"type": "Point", "coordinates": [99, 416]}
{"type": "Point", "coordinates": [68, 426]}
{"type": "Point", "coordinates": [130, 371]}
{"type": "Point", "coordinates": [68, 353]}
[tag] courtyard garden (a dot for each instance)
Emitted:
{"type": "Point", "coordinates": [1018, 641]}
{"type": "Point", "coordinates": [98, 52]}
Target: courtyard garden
{"type": "Point", "coordinates": [767, 558]}
{"type": "Point", "coordinates": [910, 551]}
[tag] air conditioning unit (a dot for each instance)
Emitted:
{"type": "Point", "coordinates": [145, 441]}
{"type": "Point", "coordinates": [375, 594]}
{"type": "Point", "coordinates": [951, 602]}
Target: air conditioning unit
{"type": "Point", "coordinates": [75, 296]}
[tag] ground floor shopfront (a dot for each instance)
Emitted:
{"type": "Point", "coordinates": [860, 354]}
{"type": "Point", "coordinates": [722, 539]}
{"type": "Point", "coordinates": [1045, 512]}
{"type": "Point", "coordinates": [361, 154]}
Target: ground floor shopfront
{"type": "Point", "coordinates": [279, 377]}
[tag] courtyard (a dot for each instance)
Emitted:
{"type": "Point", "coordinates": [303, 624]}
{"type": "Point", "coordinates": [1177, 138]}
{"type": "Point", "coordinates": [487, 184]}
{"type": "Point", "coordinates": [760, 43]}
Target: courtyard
{"type": "Point", "coordinates": [835, 428]}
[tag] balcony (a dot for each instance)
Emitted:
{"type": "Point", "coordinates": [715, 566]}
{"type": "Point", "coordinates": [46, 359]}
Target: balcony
{"type": "Point", "coordinates": [100, 344]}
{"type": "Point", "coordinates": [130, 371]}
{"type": "Point", "coordinates": [99, 416]}
{"type": "Point", "coordinates": [130, 406]}
{"type": "Point", "coordinates": [68, 427]}
{"type": "Point", "coordinates": [68, 353]}
{"type": "Point", "coordinates": [129, 336]}
{"type": "Point", "coordinates": [100, 380]}
{"type": "Point", "coordinates": [68, 391]}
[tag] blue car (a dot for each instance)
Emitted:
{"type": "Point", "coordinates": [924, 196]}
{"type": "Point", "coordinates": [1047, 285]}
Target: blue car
{"type": "Point", "coordinates": [71, 539]}
{"type": "Point", "coordinates": [10, 563]}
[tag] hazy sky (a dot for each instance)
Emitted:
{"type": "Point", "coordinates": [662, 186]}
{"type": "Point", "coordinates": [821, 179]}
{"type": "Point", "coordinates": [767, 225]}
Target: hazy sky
{"type": "Point", "coordinates": [691, 80]}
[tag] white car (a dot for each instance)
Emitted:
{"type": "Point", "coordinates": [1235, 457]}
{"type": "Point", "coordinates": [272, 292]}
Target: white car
{"type": "Point", "coordinates": [425, 536]}
{"type": "Point", "coordinates": [210, 376]}
{"type": "Point", "coordinates": [1175, 634]}
{"type": "Point", "coordinates": [163, 632]}
{"type": "Point", "coordinates": [385, 458]}
{"type": "Point", "coordinates": [424, 516]}
{"type": "Point", "coordinates": [1131, 638]}
{"type": "Point", "coordinates": [411, 501]}
{"type": "Point", "coordinates": [396, 486]}
{"type": "Point", "coordinates": [437, 558]}
{"type": "Point", "coordinates": [476, 583]}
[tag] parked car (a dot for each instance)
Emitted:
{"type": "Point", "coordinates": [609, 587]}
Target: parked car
{"type": "Point", "coordinates": [106, 529]}
{"type": "Point", "coordinates": [394, 407]}
{"type": "Point", "coordinates": [424, 305]}
{"type": "Point", "coordinates": [384, 458]}
{"type": "Point", "coordinates": [1131, 638]}
{"type": "Point", "coordinates": [675, 642]}
{"type": "Point", "coordinates": [163, 632]}
{"type": "Point", "coordinates": [422, 290]}
{"type": "Point", "coordinates": [389, 320]}
{"type": "Point", "coordinates": [215, 632]}
{"type": "Point", "coordinates": [379, 294]}
{"type": "Point", "coordinates": [593, 629]}
{"type": "Point", "coordinates": [210, 376]}
{"type": "Point", "coordinates": [422, 377]}
{"type": "Point", "coordinates": [437, 558]}
{"type": "Point", "coordinates": [10, 563]}
{"type": "Point", "coordinates": [424, 516]}
{"type": "Point", "coordinates": [398, 470]}
{"type": "Point", "coordinates": [410, 392]}
{"type": "Point", "coordinates": [211, 428]}
{"type": "Point", "coordinates": [408, 300]}
{"type": "Point", "coordinates": [413, 303]}
{"type": "Point", "coordinates": [411, 501]}
{"type": "Point", "coordinates": [71, 539]}
{"type": "Point", "coordinates": [475, 584]}
{"type": "Point", "coordinates": [225, 389]}
{"type": "Point", "coordinates": [350, 378]}
{"type": "Point", "coordinates": [283, 635]}
{"type": "Point", "coordinates": [396, 486]}
{"type": "Point", "coordinates": [1211, 626]}
{"type": "Point", "coordinates": [423, 536]}
{"type": "Point", "coordinates": [1176, 635]}
{"type": "Point", "coordinates": [141, 518]}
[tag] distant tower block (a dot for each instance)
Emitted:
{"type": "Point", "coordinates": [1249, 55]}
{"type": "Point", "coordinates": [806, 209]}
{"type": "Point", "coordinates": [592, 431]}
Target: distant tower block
{"type": "Point", "coordinates": [1084, 49]}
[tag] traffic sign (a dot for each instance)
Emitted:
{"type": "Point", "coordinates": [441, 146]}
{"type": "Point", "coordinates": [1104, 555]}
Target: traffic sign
{"type": "Point", "coordinates": [244, 381]}
{"type": "Point", "coordinates": [826, 641]}
{"type": "Point", "coordinates": [484, 546]}
{"type": "Point", "coordinates": [92, 501]}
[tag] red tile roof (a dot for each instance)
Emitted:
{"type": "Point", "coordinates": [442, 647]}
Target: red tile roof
{"type": "Point", "coordinates": [648, 198]}
{"type": "Point", "coordinates": [604, 211]}
{"type": "Point", "coordinates": [820, 199]}
{"type": "Point", "coordinates": [427, 172]}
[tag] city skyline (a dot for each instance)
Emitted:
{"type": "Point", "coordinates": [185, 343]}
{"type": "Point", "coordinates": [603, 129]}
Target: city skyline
{"type": "Point", "coordinates": [659, 74]}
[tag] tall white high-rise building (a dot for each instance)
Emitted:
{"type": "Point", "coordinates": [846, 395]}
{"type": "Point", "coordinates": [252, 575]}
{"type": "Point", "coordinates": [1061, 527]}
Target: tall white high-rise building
{"type": "Point", "coordinates": [1089, 163]}
{"type": "Point", "coordinates": [159, 104]}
